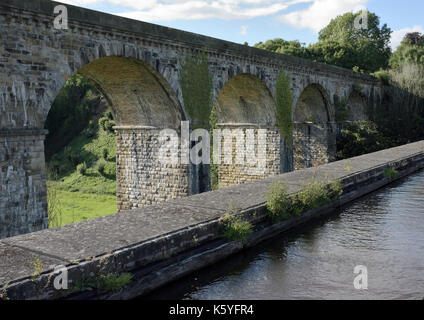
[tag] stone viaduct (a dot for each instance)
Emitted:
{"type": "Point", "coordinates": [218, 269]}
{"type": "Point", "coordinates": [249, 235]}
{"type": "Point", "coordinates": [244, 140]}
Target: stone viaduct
{"type": "Point", "coordinates": [136, 67]}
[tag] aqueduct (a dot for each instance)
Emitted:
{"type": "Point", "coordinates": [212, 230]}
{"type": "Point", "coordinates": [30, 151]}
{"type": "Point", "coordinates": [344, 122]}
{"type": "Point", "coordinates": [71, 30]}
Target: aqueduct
{"type": "Point", "coordinates": [136, 66]}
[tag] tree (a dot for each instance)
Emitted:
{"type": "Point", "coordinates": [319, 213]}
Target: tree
{"type": "Point", "coordinates": [343, 43]}
{"type": "Point", "coordinates": [411, 50]}
{"type": "Point", "coordinates": [414, 37]}
{"type": "Point", "coordinates": [368, 47]}
{"type": "Point", "coordinates": [292, 48]}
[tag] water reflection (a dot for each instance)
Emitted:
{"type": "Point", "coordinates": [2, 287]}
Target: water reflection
{"type": "Point", "coordinates": [384, 231]}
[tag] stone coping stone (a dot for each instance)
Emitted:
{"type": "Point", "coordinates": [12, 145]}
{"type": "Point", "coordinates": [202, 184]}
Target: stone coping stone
{"type": "Point", "coordinates": [126, 229]}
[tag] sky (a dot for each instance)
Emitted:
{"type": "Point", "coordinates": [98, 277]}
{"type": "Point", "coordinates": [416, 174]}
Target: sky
{"type": "Point", "coordinates": [253, 21]}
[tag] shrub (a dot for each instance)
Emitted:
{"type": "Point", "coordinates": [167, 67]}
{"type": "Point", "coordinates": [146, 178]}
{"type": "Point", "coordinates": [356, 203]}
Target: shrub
{"type": "Point", "coordinates": [279, 202]}
{"type": "Point", "coordinates": [336, 190]}
{"type": "Point", "coordinates": [314, 194]}
{"type": "Point", "coordinates": [235, 229]}
{"type": "Point", "coordinates": [359, 138]}
{"type": "Point", "coordinates": [100, 166]}
{"type": "Point", "coordinates": [106, 124]}
{"type": "Point", "coordinates": [73, 157]}
{"type": "Point", "coordinates": [82, 168]}
{"type": "Point", "coordinates": [105, 153]}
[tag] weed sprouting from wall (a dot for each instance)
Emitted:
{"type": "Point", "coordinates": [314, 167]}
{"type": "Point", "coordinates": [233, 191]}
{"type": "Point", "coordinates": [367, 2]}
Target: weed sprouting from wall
{"type": "Point", "coordinates": [196, 85]}
{"type": "Point", "coordinates": [213, 121]}
{"type": "Point", "coordinates": [284, 101]}
{"type": "Point", "coordinates": [235, 229]}
{"type": "Point", "coordinates": [390, 173]}
{"type": "Point", "coordinates": [282, 205]}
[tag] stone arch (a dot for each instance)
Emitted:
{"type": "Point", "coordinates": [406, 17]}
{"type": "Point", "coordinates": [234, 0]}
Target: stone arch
{"type": "Point", "coordinates": [246, 99]}
{"type": "Point", "coordinates": [143, 103]}
{"type": "Point", "coordinates": [246, 109]}
{"type": "Point", "coordinates": [314, 140]}
{"type": "Point", "coordinates": [136, 92]}
{"type": "Point", "coordinates": [313, 105]}
{"type": "Point", "coordinates": [356, 107]}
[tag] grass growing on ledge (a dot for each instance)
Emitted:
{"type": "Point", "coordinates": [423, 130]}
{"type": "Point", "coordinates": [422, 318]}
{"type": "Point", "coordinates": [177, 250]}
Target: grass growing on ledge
{"type": "Point", "coordinates": [236, 229]}
{"type": "Point", "coordinates": [314, 194]}
{"type": "Point", "coordinates": [104, 283]}
{"type": "Point", "coordinates": [391, 173]}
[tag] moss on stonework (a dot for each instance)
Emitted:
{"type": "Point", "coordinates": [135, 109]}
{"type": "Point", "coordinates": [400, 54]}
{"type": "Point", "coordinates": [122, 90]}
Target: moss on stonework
{"type": "Point", "coordinates": [284, 101]}
{"type": "Point", "coordinates": [196, 86]}
{"type": "Point", "coordinates": [213, 121]}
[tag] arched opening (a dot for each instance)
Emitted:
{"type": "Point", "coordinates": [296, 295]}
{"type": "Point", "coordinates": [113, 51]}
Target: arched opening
{"type": "Point", "coordinates": [125, 105]}
{"type": "Point", "coordinates": [246, 110]}
{"type": "Point", "coordinates": [313, 133]}
{"type": "Point", "coordinates": [356, 107]}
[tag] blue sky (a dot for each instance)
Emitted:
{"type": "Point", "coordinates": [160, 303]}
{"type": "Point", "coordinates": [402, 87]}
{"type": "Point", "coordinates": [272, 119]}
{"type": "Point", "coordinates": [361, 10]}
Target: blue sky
{"type": "Point", "coordinates": [260, 20]}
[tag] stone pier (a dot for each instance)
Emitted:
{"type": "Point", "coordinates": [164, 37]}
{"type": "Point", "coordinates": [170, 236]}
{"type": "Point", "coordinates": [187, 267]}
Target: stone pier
{"type": "Point", "coordinates": [23, 196]}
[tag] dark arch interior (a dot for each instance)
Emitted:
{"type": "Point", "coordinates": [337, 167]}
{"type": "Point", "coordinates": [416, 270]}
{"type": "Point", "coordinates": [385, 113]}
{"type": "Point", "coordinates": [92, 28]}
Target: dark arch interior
{"type": "Point", "coordinates": [246, 99]}
{"type": "Point", "coordinates": [356, 107]}
{"type": "Point", "coordinates": [312, 106]}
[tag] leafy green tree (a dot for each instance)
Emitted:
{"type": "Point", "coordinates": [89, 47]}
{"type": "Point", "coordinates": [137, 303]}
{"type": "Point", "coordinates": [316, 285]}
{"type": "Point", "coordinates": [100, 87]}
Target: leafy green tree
{"type": "Point", "coordinates": [292, 48]}
{"type": "Point", "coordinates": [334, 53]}
{"type": "Point", "coordinates": [343, 43]}
{"type": "Point", "coordinates": [411, 50]}
{"type": "Point", "coordinates": [70, 112]}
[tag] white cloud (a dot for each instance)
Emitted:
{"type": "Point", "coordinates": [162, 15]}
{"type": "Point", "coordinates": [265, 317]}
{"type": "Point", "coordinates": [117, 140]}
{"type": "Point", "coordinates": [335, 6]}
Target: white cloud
{"type": "Point", "coordinates": [202, 9]}
{"type": "Point", "coordinates": [135, 4]}
{"type": "Point", "coordinates": [167, 10]}
{"type": "Point", "coordinates": [320, 13]}
{"type": "Point", "coordinates": [243, 30]}
{"type": "Point", "coordinates": [398, 35]}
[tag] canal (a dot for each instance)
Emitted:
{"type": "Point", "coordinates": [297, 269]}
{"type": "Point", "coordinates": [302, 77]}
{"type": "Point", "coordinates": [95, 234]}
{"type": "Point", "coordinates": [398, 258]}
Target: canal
{"type": "Point", "coordinates": [383, 231]}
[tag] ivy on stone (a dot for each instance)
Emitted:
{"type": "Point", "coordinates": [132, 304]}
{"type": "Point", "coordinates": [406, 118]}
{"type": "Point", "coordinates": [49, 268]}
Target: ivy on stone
{"type": "Point", "coordinates": [196, 86]}
{"type": "Point", "coordinates": [284, 101]}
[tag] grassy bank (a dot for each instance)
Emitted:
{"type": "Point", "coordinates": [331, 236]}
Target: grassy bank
{"type": "Point", "coordinates": [82, 177]}
{"type": "Point", "coordinates": [72, 207]}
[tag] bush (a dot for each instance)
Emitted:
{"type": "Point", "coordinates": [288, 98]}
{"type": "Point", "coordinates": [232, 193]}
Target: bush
{"type": "Point", "coordinates": [106, 124]}
{"type": "Point", "coordinates": [314, 194]}
{"type": "Point", "coordinates": [100, 166]}
{"type": "Point", "coordinates": [82, 168]}
{"type": "Point", "coordinates": [279, 202]}
{"type": "Point", "coordinates": [105, 153]}
{"type": "Point", "coordinates": [359, 138]}
{"type": "Point", "coordinates": [73, 157]}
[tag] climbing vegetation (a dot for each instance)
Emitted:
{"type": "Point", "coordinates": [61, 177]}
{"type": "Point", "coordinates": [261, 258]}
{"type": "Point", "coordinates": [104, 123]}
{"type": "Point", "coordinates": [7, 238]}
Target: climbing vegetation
{"type": "Point", "coordinates": [284, 101]}
{"type": "Point", "coordinates": [213, 120]}
{"type": "Point", "coordinates": [196, 85]}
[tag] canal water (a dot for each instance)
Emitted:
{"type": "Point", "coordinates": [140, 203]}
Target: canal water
{"type": "Point", "coordinates": [383, 232]}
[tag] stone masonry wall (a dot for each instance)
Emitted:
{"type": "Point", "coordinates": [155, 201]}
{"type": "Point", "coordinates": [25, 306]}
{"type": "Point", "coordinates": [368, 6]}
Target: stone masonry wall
{"type": "Point", "coordinates": [23, 198]}
{"type": "Point", "coordinates": [313, 145]}
{"type": "Point", "coordinates": [269, 152]}
{"type": "Point", "coordinates": [36, 60]}
{"type": "Point", "coordinates": [142, 178]}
